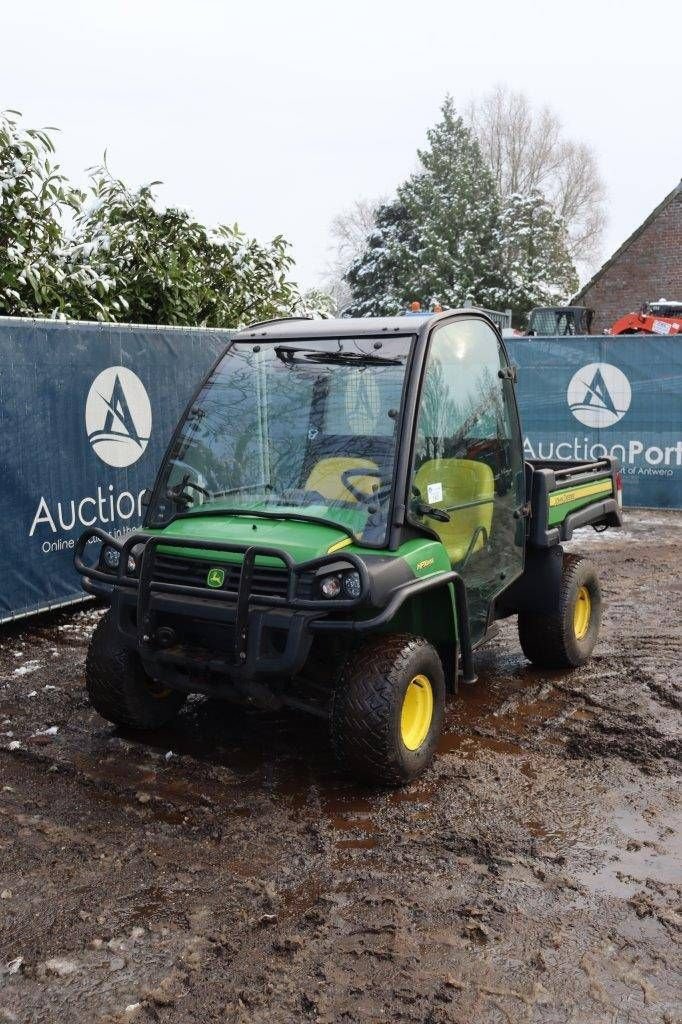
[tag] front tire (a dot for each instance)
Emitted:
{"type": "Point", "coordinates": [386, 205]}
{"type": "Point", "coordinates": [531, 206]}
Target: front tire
{"type": "Point", "coordinates": [387, 710]}
{"type": "Point", "coordinates": [565, 638]}
{"type": "Point", "coordinates": [119, 688]}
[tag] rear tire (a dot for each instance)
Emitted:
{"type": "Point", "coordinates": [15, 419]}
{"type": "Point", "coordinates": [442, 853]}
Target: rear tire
{"type": "Point", "coordinates": [118, 687]}
{"type": "Point", "coordinates": [565, 638]}
{"type": "Point", "coordinates": [387, 710]}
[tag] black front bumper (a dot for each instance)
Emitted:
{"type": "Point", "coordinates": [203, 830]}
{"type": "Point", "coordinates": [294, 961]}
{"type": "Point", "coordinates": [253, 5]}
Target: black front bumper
{"type": "Point", "coordinates": [257, 634]}
{"type": "Point", "coordinates": [188, 634]}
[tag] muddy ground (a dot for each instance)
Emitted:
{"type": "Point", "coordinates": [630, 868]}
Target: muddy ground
{"type": "Point", "coordinates": [224, 871]}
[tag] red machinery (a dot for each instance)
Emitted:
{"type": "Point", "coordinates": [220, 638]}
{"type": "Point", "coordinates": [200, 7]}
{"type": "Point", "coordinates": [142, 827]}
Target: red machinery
{"type": "Point", "coordinates": [660, 317]}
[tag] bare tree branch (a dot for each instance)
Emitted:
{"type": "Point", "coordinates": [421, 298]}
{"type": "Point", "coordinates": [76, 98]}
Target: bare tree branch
{"type": "Point", "coordinates": [349, 231]}
{"type": "Point", "coordinates": [526, 150]}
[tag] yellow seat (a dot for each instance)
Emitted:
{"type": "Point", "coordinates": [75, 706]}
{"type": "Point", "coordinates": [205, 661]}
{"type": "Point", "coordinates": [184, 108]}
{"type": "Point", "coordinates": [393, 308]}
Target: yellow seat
{"type": "Point", "coordinates": [462, 480]}
{"type": "Point", "coordinates": [325, 478]}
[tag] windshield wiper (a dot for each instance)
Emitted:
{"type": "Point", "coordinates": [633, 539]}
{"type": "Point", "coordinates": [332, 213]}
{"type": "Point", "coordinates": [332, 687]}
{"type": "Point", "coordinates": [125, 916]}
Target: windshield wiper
{"type": "Point", "coordinates": [314, 355]}
{"type": "Point", "coordinates": [299, 517]}
{"type": "Point", "coordinates": [239, 490]}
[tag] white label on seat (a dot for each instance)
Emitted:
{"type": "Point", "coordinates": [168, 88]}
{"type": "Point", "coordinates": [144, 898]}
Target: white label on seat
{"type": "Point", "coordinates": [434, 493]}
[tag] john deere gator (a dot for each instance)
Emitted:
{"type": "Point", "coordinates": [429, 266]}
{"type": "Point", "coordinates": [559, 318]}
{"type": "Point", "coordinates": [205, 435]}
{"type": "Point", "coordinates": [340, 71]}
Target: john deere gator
{"type": "Point", "coordinates": [343, 514]}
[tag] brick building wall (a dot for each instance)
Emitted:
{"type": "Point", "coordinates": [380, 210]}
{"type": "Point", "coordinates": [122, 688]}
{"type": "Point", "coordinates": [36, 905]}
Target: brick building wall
{"type": "Point", "coordinates": [647, 267]}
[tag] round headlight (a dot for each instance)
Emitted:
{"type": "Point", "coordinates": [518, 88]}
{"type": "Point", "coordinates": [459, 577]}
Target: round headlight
{"type": "Point", "coordinates": [331, 587]}
{"type": "Point", "coordinates": [352, 586]}
{"type": "Point", "coordinates": [111, 557]}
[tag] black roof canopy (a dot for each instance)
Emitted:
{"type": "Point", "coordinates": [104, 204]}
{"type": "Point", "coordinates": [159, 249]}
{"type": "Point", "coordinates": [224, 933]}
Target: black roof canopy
{"type": "Point", "coordinates": [348, 327]}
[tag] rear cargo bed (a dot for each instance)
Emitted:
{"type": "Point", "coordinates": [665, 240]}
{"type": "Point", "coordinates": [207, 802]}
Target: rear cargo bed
{"type": "Point", "coordinates": [564, 496]}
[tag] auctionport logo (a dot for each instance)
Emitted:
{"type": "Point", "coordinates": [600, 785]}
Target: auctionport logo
{"type": "Point", "coordinates": [118, 417]}
{"type": "Point", "coordinates": [599, 395]}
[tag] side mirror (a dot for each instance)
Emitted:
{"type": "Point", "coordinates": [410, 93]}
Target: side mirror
{"type": "Point", "coordinates": [146, 498]}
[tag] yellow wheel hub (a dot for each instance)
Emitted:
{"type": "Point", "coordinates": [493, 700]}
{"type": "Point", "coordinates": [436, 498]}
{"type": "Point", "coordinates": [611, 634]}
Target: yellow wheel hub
{"type": "Point", "coordinates": [582, 613]}
{"type": "Point", "coordinates": [417, 712]}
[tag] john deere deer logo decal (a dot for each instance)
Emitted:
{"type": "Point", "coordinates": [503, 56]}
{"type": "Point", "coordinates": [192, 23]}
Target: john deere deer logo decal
{"type": "Point", "coordinates": [215, 578]}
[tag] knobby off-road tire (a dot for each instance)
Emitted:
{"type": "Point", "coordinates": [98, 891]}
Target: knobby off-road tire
{"type": "Point", "coordinates": [565, 638]}
{"type": "Point", "coordinates": [367, 723]}
{"type": "Point", "coordinates": [119, 688]}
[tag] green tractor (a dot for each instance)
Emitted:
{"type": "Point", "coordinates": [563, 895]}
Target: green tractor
{"type": "Point", "coordinates": [342, 515]}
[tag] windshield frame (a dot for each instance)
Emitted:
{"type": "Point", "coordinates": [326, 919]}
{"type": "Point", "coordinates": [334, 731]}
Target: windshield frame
{"type": "Point", "coordinates": [409, 335]}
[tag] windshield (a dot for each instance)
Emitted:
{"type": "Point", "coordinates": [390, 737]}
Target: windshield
{"type": "Point", "coordinates": [293, 428]}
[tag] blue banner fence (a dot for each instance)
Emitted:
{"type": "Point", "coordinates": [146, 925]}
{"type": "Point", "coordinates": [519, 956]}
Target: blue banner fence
{"type": "Point", "coordinates": [86, 411]}
{"type": "Point", "coordinates": [586, 397]}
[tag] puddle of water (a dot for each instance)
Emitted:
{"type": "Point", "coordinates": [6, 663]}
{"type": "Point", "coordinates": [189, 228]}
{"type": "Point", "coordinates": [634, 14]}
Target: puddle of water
{"type": "Point", "coordinates": [583, 714]}
{"type": "Point", "coordinates": [497, 708]}
{"type": "Point", "coordinates": [366, 843]}
{"type": "Point", "coordinates": [624, 872]}
{"type": "Point", "coordinates": [470, 746]}
{"type": "Point", "coordinates": [339, 804]}
{"type": "Point", "coordinates": [153, 901]}
{"type": "Point", "coordinates": [417, 794]}
{"type": "Point", "coordinates": [638, 852]}
{"type": "Point", "coordinates": [526, 717]}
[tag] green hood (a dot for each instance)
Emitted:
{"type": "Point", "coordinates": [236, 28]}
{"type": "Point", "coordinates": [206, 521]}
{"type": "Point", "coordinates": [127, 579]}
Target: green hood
{"type": "Point", "coordinates": [302, 541]}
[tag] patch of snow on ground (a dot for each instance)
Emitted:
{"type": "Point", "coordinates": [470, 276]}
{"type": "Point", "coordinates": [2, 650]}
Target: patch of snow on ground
{"type": "Point", "coordinates": [24, 670]}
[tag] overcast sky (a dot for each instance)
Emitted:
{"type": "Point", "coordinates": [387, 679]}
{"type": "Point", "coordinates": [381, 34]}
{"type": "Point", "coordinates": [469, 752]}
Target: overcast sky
{"type": "Point", "coordinates": [279, 113]}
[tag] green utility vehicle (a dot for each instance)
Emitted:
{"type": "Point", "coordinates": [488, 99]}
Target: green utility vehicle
{"type": "Point", "coordinates": [342, 515]}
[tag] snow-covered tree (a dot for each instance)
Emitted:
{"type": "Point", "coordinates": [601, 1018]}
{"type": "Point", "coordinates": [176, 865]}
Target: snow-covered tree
{"type": "Point", "coordinates": [123, 257]}
{"type": "Point", "coordinates": [34, 196]}
{"type": "Point", "coordinates": [538, 268]}
{"type": "Point", "coordinates": [438, 239]}
{"type": "Point", "coordinates": [159, 265]}
{"type": "Point", "coordinates": [316, 303]}
{"type": "Point", "coordinates": [349, 231]}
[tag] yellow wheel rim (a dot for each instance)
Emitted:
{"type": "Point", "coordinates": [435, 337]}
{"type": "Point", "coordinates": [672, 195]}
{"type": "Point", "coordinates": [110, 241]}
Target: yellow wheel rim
{"type": "Point", "coordinates": [582, 613]}
{"type": "Point", "coordinates": [417, 713]}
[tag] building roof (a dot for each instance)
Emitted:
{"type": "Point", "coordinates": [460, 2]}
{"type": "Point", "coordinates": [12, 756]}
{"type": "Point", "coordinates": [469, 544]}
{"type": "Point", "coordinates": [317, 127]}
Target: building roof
{"type": "Point", "coordinates": [628, 242]}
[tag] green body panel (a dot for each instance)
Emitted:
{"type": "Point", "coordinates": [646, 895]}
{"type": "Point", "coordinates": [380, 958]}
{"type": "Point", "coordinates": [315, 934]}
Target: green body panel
{"type": "Point", "coordinates": [302, 541]}
{"type": "Point", "coordinates": [431, 615]}
{"type": "Point", "coordinates": [600, 489]}
{"type": "Point", "coordinates": [424, 556]}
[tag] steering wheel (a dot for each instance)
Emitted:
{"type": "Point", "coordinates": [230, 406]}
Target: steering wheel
{"type": "Point", "coordinates": [197, 487]}
{"type": "Point", "coordinates": [381, 491]}
{"type": "Point", "coordinates": [177, 493]}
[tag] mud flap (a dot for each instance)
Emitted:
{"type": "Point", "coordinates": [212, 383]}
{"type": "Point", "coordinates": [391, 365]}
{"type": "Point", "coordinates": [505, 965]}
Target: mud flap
{"type": "Point", "coordinates": [538, 589]}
